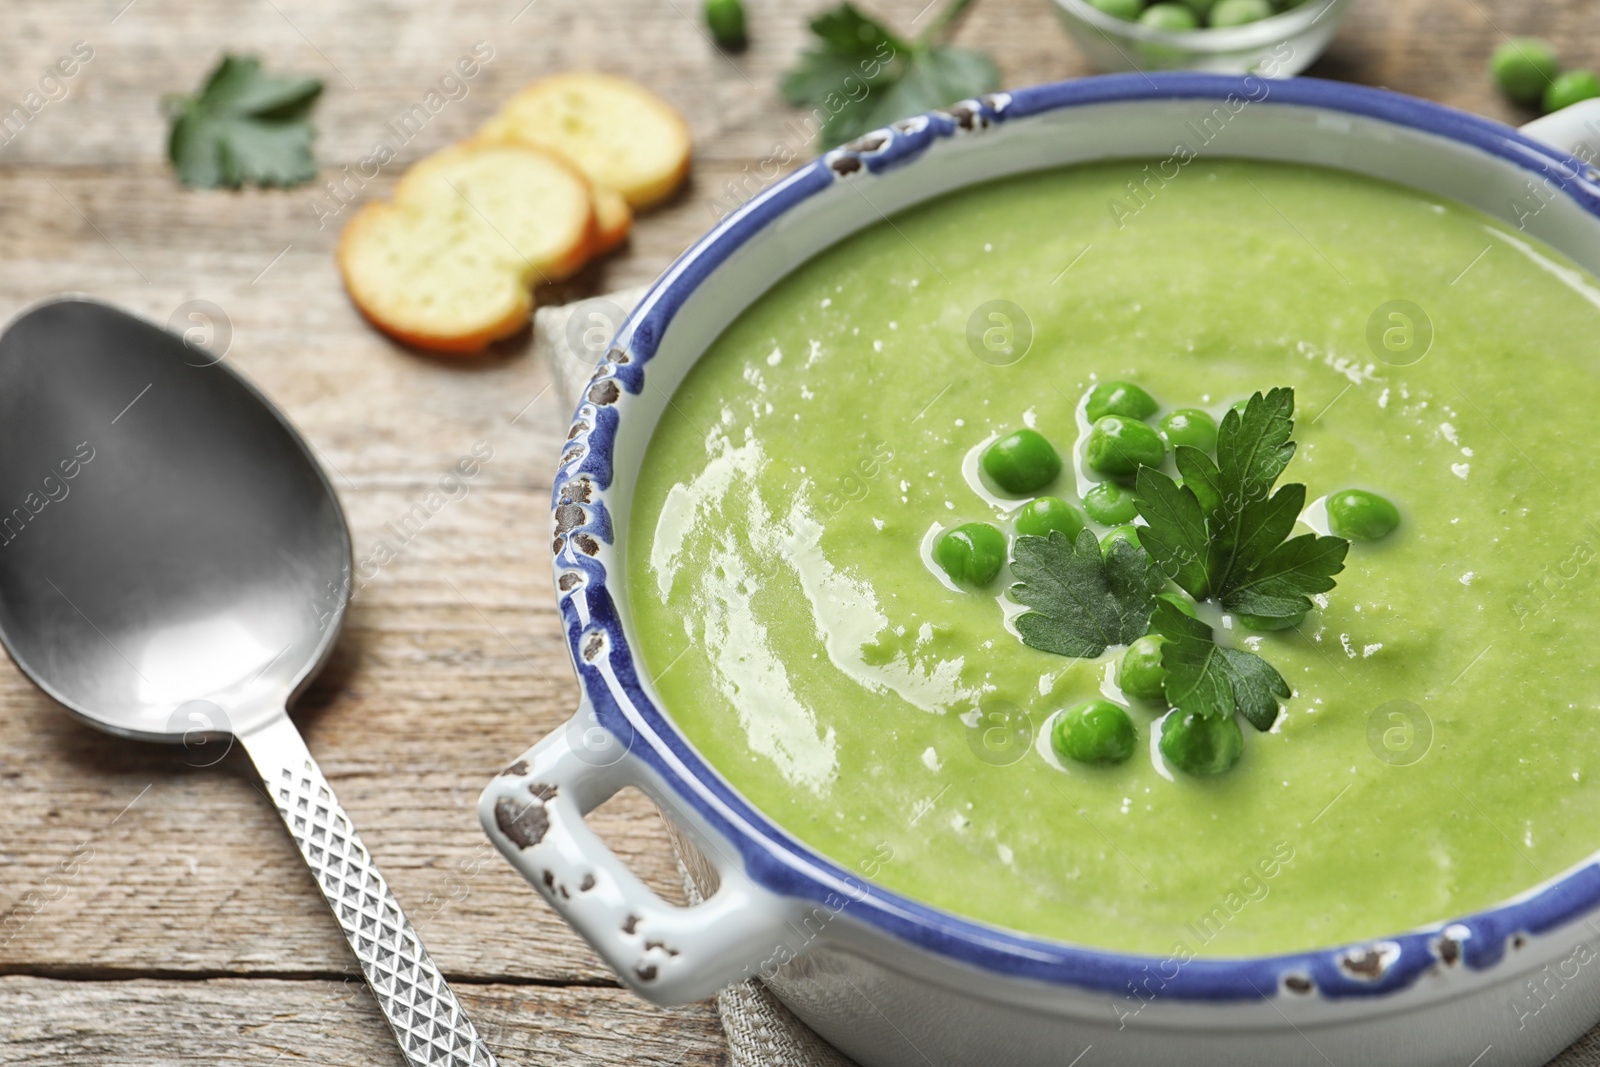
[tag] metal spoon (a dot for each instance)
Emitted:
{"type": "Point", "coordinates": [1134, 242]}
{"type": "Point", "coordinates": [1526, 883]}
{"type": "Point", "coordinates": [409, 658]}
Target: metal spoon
{"type": "Point", "coordinates": [175, 567]}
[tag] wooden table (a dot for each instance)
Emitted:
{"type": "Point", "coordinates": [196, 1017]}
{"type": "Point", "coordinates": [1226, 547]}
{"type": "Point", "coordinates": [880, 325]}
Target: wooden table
{"type": "Point", "coordinates": [153, 911]}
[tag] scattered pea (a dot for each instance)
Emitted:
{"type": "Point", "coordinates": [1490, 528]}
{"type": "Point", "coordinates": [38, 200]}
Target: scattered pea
{"type": "Point", "coordinates": [1190, 426]}
{"type": "Point", "coordinates": [1263, 624]}
{"type": "Point", "coordinates": [1110, 504]}
{"type": "Point", "coordinates": [1361, 516]}
{"type": "Point", "coordinates": [1239, 12]}
{"type": "Point", "coordinates": [1021, 462]}
{"type": "Point", "coordinates": [1181, 602]}
{"type": "Point", "coordinates": [1201, 745]}
{"type": "Point", "coordinates": [971, 554]}
{"type": "Point", "coordinates": [1121, 9]}
{"type": "Point", "coordinates": [1569, 88]}
{"type": "Point", "coordinates": [1119, 446]}
{"type": "Point", "coordinates": [1120, 398]}
{"type": "Point", "coordinates": [1141, 674]}
{"type": "Point", "coordinates": [1096, 731]}
{"type": "Point", "coordinates": [1128, 533]}
{"type": "Point", "coordinates": [726, 21]}
{"type": "Point", "coordinates": [1046, 513]}
{"type": "Point", "coordinates": [1172, 17]}
{"type": "Point", "coordinates": [1524, 68]}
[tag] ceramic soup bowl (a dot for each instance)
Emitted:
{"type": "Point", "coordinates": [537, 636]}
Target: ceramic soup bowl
{"type": "Point", "coordinates": [890, 980]}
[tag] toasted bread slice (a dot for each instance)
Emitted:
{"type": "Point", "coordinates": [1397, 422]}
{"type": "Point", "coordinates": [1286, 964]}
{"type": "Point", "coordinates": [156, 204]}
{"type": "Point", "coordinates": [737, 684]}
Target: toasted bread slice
{"type": "Point", "coordinates": [613, 219]}
{"type": "Point", "coordinates": [535, 204]}
{"type": "Point", "coordinates": [620, 135]}
{"type": "Point", "coordinates": [429, 279]}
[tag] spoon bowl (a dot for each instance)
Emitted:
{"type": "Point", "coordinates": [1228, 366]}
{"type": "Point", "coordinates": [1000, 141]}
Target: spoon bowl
{"type": "Point", "coordinates": [166, 536]}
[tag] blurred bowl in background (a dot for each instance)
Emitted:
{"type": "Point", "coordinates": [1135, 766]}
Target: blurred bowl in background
{"type": "Point", "coordinates": [1277, 47]}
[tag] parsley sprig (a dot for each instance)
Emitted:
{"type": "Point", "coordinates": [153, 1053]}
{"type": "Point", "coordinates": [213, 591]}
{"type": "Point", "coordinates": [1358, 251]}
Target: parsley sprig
{"type": "Point", "coordinates": [1224, 534]}
{"type": "Point", "coordinates": [1082, 602]}
{"type": "Point", "coordinates": [860, 76]}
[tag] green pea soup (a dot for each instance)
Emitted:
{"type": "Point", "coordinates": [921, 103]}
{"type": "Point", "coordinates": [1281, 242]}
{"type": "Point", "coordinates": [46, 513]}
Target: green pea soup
{"type": "Point", "coordinates": [1439, 752]}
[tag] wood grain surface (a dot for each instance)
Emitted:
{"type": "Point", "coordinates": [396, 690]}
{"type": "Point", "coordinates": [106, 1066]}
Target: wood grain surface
{"type": "Point", "coordinates": [152, 910]}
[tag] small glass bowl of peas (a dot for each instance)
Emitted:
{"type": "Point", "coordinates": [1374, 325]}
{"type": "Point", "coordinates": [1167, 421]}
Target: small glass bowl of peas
{"type": "Point", "coordinates": [1276, 38]}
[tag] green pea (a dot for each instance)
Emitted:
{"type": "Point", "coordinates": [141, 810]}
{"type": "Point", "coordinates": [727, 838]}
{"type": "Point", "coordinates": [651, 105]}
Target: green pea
{"type": "Point", "coordinates": [1200, 745]}
{"type": "Point", "coordinates": [1119, 446]}
{"type": "Point", "coordinates": [726, 20]}
{"type": "Point", "coordinates": [1190, 426]}
{"type": "Point", "coordinates": [1021, 462]}
{"type": "Point", "coordinates": [1041, 515]}
{"type": "Point", "coordinates": [1524, 68]}
{"type": "Point", "coordinates": [1181, 602]}
{"type": "Point", "coordinates": [1239, 12]}
{"type": "Point", "coordinates": [1361, 516]}
{"type": "Point", "coordinates": [971, 554]}
{"type": "Point", "coordinates": [1141, 674]}
{"type": "Point", "coordinates": [1120, 398]}
{"type": "Point", "coordinates": [1201, 8]}
{"type": "Point", "coordinates": [1569, 88]}
{"type": "Point", "coordinates": [1128, 533]}
{"type": "Point", "coordinates": [1173, 17]}
{"type": "Point", "coordinates": [1265, 624]}
{"type": "Point", "coordinates": [1110, 504]}
{"type": "Point", "coordinates": [1096, 731]}
{"type": "Point", "coordinates": [1121, 9]}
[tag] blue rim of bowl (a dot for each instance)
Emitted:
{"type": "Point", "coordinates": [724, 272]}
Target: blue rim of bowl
{"type": "Point", "coordinates": [778, 861]}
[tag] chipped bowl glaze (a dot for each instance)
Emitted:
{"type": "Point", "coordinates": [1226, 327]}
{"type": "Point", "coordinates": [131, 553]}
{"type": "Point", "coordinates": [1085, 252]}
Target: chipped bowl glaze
{"type": "Point", "coordinates": [886, 978]}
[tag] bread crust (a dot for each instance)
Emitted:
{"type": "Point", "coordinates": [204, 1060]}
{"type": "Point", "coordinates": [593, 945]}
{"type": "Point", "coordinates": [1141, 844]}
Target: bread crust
{"type": "Point", "coordinates": [613, 219]}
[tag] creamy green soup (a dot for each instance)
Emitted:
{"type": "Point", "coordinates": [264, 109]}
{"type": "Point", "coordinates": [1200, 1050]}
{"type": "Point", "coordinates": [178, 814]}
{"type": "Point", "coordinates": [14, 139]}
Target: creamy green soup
{"type": "Point", "coordinates": [1439, 752]}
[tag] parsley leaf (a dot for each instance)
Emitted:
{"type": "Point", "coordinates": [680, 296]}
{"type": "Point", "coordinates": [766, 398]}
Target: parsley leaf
{"type": "Point", "coordinates": [1206, 679]}
{"type": "Point", "coordinates": [1222, 534]}
{"type": "Point", "coordinates": [1082, 602]}
{"type": "Point", "coordinates": [1177, 537]}
{"type": "Point", "coordinates": [845, 31]}
{"type": "Point", "coordinates": [859, 76]}
{"type": "Point", "coordinates": [1253, 448]}
{"type": "Point", "coordinates": [1258, 688]}
{"type": "Point", "coordinates": [243, 126]}
{"type": "Point", "coordinates": [1278, 587]}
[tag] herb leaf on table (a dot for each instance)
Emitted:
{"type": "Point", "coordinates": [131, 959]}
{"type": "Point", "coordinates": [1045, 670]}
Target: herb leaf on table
{"type": "Point", "coordinates": [1082, 601]}
{"type": "Point", "coordinates": [244, 126]}
{"type": "Point", "coordinates": [1209, 680]}
{"type": "Point", "coordinates": [863, 76]}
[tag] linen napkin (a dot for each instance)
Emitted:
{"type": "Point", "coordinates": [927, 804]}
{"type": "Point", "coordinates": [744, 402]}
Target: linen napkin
{"type": "Point", "coordinates": [761, 1032]}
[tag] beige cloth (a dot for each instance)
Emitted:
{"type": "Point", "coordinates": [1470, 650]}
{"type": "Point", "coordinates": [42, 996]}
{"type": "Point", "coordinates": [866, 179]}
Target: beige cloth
{"type": "Point", "coordinates": [761, 1031]}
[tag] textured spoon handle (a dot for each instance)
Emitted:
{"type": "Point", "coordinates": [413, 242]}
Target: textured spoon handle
{"type": "Point", "coordinates": [427, 1020]}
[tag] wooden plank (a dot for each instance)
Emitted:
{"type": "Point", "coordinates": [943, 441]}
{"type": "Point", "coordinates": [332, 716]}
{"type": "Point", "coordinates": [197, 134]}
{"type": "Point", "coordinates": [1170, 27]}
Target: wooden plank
{"type": "Point", "coordinates": [155, 1023]}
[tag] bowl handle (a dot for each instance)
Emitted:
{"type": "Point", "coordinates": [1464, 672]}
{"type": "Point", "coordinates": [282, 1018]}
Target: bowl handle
{"type": "Point", "coordinates": [534, 813]}
{"type": "Point", "coordinates": [1574, 130]}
